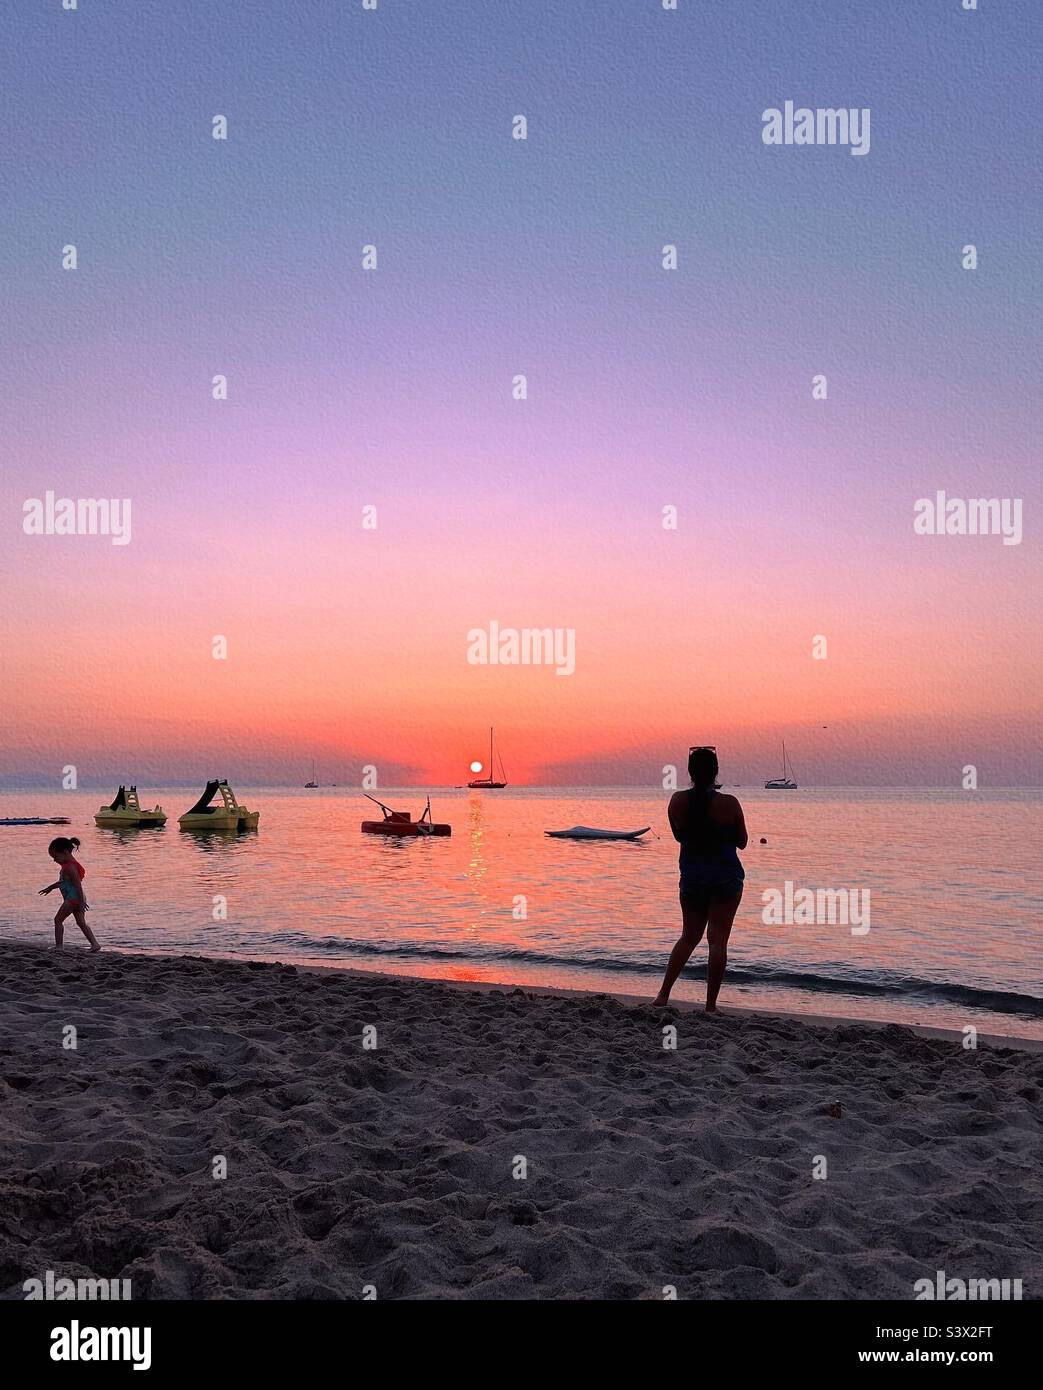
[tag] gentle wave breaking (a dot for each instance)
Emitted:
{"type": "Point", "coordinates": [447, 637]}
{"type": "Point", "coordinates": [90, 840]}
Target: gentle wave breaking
{"type": "Point", "coordinates": [880, 983]}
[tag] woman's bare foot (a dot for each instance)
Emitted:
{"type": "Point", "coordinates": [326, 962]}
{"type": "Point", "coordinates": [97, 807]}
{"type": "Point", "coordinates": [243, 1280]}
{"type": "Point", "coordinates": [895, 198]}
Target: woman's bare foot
{"type": "Point", "coordinates": [93, 950]}
{"type": "Point", "coordinates": [710, 1009]}
{"type": "Point", "coordinates": [659, 1002]}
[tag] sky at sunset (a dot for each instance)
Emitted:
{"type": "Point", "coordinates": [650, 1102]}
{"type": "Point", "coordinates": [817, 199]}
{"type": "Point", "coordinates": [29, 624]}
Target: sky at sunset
{"type": "Point", "coordinates": [392, 388]}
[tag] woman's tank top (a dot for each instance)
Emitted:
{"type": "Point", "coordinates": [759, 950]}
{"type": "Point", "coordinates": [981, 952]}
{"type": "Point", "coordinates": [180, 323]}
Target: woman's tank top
{"type": "Point", "coordinates": [704, 842]}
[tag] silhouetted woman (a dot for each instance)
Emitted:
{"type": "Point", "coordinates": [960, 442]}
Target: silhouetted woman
{"type": "Point", "coordinates": [709, 826]}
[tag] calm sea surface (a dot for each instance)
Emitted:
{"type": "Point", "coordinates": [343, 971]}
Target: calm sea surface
{"type": "Point", "coordinates": [954, 878]}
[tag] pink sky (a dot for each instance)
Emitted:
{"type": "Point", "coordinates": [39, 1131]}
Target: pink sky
{"type": "Point", "coordinates": [350, 645]}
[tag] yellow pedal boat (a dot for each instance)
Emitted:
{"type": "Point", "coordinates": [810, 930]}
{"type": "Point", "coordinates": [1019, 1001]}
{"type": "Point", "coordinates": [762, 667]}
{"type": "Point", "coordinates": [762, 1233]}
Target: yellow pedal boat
{"type": "Point", "coordinates": [226, 815]}
{"type": "Point", "coordinates": [125, 810]}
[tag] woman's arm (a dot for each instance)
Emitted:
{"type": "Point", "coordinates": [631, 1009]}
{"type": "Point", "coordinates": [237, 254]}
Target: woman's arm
{"type": "Point", "coordinates": [676, 812]}
{"type": "Point", "coordinates": [742, 838]}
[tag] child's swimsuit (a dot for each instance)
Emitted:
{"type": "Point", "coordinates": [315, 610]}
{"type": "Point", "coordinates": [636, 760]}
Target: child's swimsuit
{"type": "Point", "coordinates": [70, 884]}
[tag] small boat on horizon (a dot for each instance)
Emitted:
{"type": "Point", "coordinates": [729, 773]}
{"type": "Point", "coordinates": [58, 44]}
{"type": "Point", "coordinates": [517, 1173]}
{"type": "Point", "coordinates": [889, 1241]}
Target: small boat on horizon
{"type": "Point", "coordinates": [489, 783]}
{"type": "Point", "coordinates": [785, 783]}
{"type": "Point", "coordinates": [229, 815]}
{"type": "Point", "coordinates": [313, 782]}
{"type": "Point", "coordinates": [124, 811]}
{"type": "Point", "coordinates": [402, 823]}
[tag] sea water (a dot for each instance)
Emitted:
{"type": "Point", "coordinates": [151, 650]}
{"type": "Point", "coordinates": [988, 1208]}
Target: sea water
{"type": "Point", "coordinates": [952, 879]}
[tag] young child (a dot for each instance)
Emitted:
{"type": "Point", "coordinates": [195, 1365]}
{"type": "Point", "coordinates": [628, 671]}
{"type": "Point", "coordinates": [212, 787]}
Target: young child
{"type": "Point", "coordinates": [70, 883]}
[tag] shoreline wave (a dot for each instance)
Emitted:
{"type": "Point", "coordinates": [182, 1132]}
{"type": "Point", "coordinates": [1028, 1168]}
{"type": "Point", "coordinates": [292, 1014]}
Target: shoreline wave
{"type": "Point", "coordinates": [884, 985]}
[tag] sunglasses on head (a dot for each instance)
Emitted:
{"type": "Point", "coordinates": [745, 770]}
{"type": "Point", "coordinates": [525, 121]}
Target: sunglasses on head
{"type": "Point", "coordinates": [703, 748]}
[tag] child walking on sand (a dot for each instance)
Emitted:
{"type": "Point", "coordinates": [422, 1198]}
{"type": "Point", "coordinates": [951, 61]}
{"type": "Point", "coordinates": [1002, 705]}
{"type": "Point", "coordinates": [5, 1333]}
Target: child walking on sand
{"type": "Point", "coordinates": [70, 884]}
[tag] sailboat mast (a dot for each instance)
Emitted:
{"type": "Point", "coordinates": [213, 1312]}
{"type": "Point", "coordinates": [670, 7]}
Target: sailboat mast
{"type": "Point", "coordinates": [490, 774]}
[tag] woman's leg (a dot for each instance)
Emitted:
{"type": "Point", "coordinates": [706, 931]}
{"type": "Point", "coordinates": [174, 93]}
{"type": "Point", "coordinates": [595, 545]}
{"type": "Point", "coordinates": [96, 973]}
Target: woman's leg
{"type": "Point", "coordinates": [59, 928]}
{"type": "Point", "coordinates": [718, 929]}
{"type": "Point", "coordinates": [81, 922]}
{"type": "Point", "coordinates": [693, 923]}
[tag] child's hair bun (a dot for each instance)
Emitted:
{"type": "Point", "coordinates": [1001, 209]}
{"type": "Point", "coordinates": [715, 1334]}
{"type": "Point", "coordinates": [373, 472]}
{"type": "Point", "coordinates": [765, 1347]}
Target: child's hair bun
{"type": "Point", "coordinates": [74, 842]}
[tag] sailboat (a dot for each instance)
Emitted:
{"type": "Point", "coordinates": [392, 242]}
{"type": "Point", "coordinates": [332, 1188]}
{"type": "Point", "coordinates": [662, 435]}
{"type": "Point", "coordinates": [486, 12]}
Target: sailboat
{"type": "Point", "coordinates": [313, 782]}
{"type": "Point", "coordinates": [786, 782]}
{"type": "Point", "coordinates": [489, 783]}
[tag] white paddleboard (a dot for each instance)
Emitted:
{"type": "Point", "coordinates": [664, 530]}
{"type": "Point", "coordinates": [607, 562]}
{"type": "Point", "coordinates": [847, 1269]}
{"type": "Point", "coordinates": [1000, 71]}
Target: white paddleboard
{"type": "Point", "coordinates": [586, 832]}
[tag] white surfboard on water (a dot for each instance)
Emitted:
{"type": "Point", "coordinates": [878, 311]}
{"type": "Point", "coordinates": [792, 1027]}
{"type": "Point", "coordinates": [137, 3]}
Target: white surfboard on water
{"type": "Point", "coordinates": [586, 832]}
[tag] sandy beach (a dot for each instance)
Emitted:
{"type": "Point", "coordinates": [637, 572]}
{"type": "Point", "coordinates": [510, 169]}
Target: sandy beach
{"type": "Point", "coordinates": [394, 1166]}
